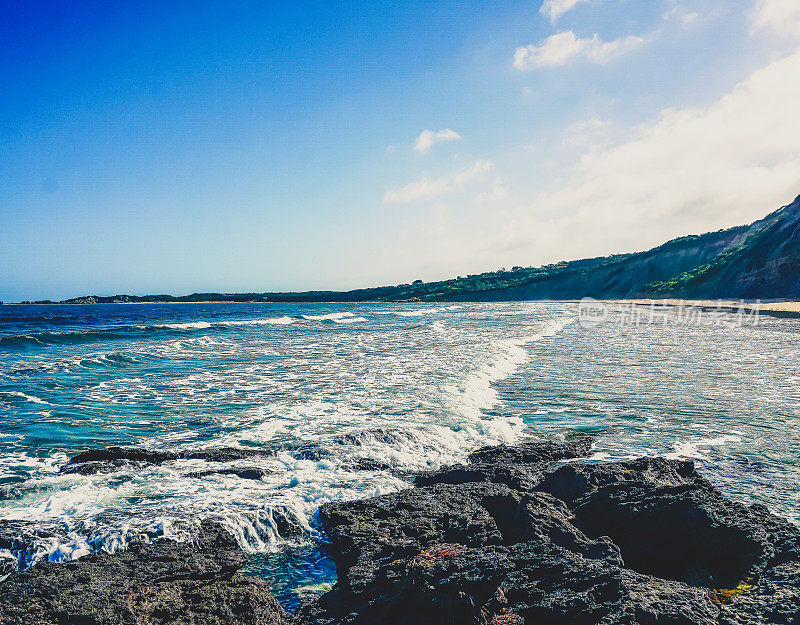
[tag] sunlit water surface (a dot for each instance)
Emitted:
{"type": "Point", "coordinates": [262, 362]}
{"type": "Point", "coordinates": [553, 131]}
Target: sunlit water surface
{"type": "Point", "coordinates": [418, 385]}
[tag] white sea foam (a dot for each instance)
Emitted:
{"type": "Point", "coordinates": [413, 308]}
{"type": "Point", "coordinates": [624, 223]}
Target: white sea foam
{"type": "Point", "coordinates": [419, 312]}
{"type": "Point", "coordinates": [24, 396]}
{"type": "Point", "coordinates": [330, 316]}
{"type": "Point", "coordinates": [349, 319]}
{"type": "Point", "coordinates": [337, 317]}
{"type": "Point", "coordinates": [311, 390]}
{"type": "Point", "coordinates": [193, 325]}
{"type": "Point", "coordinates": [477, 393]}
{"type": "Point", "coordinates": [280, 321]}
{"type": "Point", "coordinates": [202, 325]}
{"type": "Point", "coordinates": [438, 326]}
{"type": "Point", "coordinates": [684, 450]}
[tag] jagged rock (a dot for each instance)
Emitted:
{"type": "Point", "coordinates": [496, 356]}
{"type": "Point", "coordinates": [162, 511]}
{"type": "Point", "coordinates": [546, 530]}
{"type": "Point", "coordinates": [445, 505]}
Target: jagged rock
{"type": "Point", "coordinates": [666, 519]}
{"type": "Point", "coordinates": [111, 458]}
{"type": "Point", "coordinates": [148, 584]}
{"type": "Point", "coordinates": [520, 477]}
{"type": "Point", "coordinates": [366, 464]}
{"type": "Point", "coordinates": [520, 467]}
{"type": "Point", "coordinates": [505, 539]}
{"type": "Point", "coordinates": [374, 541]}
{"type": "Point", "coordinates": [671, 523]}
{"type": "Point", "coordinates": [131, 454]}
{"type": "Point", "coordinates": [246, 473]}
{"type": "Point", "coordinates": [533, 452]}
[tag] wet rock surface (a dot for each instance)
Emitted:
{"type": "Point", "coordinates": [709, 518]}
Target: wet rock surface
{"type": "Point", "coordinates": [509, 538]}
{"type": "Point", "coordinates": [112, 458]}
{"type": "Point", "coordinates": [246, 473]}
{"type": "Point", "coordinates": [528, 534]}
{"type": "Point", "coordinates": [366, 464]}
{"type": "Point", "coordinates": [148, 584]}
{"type": "Point", "coordinates": [520, 466]}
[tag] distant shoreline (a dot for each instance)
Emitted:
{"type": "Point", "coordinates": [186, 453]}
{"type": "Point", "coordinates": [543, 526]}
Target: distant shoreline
{"type": "Point", "coordinates": [772, 308]}
{"type": "Point", "coordinates": [771, 304]}
{"type": "Point", "coordinates": [786, 309]}
{"type": "Point", "coordinates": [738, 261]}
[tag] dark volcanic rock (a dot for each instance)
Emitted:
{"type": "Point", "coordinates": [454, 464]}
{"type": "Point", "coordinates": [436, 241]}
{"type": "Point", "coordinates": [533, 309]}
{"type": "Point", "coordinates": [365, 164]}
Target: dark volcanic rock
{"type": "Point", "coordinates": [671, 523]}
{"type": "Point", "coordinates": [111, 458]}
{"type": "Point", "coordinates": [149, 584]}
{"type": "Point", "coordinates": [246, 473]}
{"type": "Point", "coordinates": [521, 466]}
{"type": "Point", "coordinates": [366, 464]}
{"type": "Point", "coordinates": [130, 454]}
{"type": "Point", "coordinates": [533, 452]}
{"type": "Point", "coordinates": [667, 521]}
{"type": "Point", "coordinates": [505, 540]}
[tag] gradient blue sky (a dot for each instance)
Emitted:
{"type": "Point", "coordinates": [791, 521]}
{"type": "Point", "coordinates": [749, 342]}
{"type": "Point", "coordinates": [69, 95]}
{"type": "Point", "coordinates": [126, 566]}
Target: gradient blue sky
{"type": "Point", "coordinates": [154, 147]}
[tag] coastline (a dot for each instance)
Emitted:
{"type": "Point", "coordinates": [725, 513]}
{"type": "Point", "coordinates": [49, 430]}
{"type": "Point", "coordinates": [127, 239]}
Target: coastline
{"type": "Point", "coordinates": [764, 305]}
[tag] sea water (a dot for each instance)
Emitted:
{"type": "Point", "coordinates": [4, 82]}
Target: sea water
{"type": "Point", "coordinates": [412, 386]}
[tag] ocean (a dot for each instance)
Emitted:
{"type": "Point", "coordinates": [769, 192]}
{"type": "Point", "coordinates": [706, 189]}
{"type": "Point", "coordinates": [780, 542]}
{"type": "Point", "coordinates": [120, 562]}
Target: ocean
{"type": "Point", "coordinates": [350, 400]}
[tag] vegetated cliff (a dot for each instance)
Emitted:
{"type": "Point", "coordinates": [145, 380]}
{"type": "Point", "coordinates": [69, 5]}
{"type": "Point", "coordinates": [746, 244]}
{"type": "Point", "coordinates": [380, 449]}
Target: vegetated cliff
{"type": "Point", "coordinates": [761, 260]}
{"type": "Point", "coordinates": [766, 264]}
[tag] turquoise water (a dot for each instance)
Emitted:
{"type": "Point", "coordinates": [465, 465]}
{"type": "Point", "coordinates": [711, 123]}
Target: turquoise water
{"type": "Point", "coordinates": [416, 386]}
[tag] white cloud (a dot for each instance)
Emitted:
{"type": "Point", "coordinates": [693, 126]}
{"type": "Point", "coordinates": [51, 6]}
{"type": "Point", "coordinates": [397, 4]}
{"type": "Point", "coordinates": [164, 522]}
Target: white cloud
{"type": "Point", "coordinates": [428, 189]}
{"type": "Point", "coordinates": [554, 9]}
{"type": "Point", "coordinates": [428, 138]}
{"type": "Point", "coordinates": [778, 15]}
{"type": "Point", "coordinates": [581, 133]}
{"type": "Point", "coordinates": [562, 47]}
{"type": "Point", "coordinates": [681, 14]}
{"type": "Point", "coordinates": [498, 192]}
{"type": "Point", "coordinates": [693, 170]}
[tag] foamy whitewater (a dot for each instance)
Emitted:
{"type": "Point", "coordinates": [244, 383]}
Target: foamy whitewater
{"type": "Point", "coordinates": [328, 387]}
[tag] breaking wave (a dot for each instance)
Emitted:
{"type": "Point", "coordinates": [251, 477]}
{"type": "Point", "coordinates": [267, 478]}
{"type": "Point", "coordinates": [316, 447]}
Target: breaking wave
{"type": "Point", "coordinates": [116, 333]}
{"type": "Point", "coordinates": [345, 415]}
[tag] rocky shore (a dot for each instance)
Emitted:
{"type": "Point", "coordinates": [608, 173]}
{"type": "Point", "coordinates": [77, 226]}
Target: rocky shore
{"type": "Point", "coordinates": [514, 536]}
{"type": "Point", "coordinates": [163, 582]}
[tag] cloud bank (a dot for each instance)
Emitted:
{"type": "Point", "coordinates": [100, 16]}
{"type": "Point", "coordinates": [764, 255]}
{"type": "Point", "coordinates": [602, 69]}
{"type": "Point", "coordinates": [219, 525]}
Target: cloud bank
{"type": "Point", "coordinates": [778, 15]}
{"type": "Point", "coordinates": [693, 170]}
{"type": "Point", "coordinates": [563, 47]}
{"type": "Point", "coordinates": [624, 188]}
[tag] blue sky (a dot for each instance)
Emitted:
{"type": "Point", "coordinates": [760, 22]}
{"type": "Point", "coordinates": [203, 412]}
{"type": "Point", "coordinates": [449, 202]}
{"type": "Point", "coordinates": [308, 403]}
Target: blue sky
{"type": "Point", "coordinates": [250, 146]}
